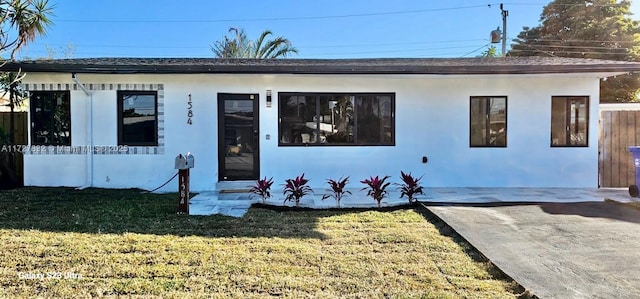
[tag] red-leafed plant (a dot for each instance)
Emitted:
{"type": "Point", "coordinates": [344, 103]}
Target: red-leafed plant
{"type": "Point", "coordinates": [410, 186]}
{"type": "Point", "coordinates": [376, 188]}
{"type": "Point", "coordinates": [262, 188]}
{"type": "Point", "coordinates": [295, 189]}
{"type": "Point", "coordinates": [337, 189]}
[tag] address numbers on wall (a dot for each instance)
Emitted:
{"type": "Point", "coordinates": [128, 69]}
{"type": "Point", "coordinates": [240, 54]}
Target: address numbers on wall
{"type": "Point", "coordinates": [189, 111]}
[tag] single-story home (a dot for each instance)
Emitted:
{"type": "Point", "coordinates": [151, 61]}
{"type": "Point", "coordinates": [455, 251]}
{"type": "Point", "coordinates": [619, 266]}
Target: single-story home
{"type": "Point", "coordinates": [460, 122]}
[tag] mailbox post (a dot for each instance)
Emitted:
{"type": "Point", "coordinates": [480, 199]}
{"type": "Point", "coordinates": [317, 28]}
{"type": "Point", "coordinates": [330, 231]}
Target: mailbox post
{"type": "Point", "coordinates": [183, 164]}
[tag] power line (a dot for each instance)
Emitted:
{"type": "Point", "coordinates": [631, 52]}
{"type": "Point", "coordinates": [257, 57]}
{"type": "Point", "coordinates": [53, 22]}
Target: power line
{"type": "Point", "coordinates": [576, 47]}
{"type": "Point", "coordinates": [393, 44]}
{"type": "Point", "coordinates": [549, 49]}
{"type": "Point", "coordinates": [404, 50]}
{"type": "Point", "coordinates": [518, 42]}
{"type": "Point", "coordinates": [538, 47]}
{"type": "Point", "coordinates": [345, 16]}
{"type": "Point", "coordinates": [556, 53]}
{"type": "Point", "coordinates": [581, 40]}
{"type": "Point", "coordinates": [300, 47]}
{"type": "Point", "coordinates": [323, 54]}
{"type": "Point", "coordinates": [488, 5]}
{"type": "Point", "coordinates": [280, 18]}
{"type": "Point", "coordinates": [119, 46]}
{"type": "Point", "coordinates": [563, 4]}
{"type": "Point", "coordinates": [476, 50]}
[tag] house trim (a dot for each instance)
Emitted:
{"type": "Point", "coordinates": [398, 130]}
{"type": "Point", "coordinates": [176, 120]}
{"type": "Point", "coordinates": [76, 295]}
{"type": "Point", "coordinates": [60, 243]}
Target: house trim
{"type": "Point", "coordinates": [103, 149]}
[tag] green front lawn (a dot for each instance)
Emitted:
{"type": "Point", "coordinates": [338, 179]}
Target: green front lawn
{"type": "Point", "coordinates": [96, 243]}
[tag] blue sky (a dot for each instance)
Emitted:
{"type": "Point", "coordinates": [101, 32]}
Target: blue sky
{"type": "Point", "coordinates": [319, 29]}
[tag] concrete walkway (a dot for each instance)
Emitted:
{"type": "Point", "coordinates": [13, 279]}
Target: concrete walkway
{"type": "Point", "coordinates": [557, 250]}
{"type": "Point", "coordinates": [237, 204]}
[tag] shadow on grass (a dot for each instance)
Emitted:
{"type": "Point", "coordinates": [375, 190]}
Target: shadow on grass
{"type": "Point", "coordinates": [130, 210]}
{"type": "Point", "coordinates": [118, 211]}
{"type": "Point", "coordinates": [598, 209]}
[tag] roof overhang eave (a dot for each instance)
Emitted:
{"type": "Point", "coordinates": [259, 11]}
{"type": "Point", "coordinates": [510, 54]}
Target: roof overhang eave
{"type": "Point", "coordinates": [608, 69]}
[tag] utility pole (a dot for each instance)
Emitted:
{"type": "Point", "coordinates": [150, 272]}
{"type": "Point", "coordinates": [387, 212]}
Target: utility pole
{"type": "Point", "coordinates": [505, 13]}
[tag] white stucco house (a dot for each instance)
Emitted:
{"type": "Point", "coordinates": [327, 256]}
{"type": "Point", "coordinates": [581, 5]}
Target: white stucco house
{"type": "Point", "coordinates": [463, 122]}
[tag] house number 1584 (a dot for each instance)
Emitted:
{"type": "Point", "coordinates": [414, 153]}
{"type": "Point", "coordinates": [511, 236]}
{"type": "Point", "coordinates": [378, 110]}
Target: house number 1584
{"type": "Point", "coordinates": [189, 111]}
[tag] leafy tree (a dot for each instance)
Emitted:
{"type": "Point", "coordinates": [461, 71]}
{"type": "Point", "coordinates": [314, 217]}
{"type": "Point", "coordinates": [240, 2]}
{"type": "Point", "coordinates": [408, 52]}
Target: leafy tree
{"type": "Point", "coordinates": [599, 29]}
{"type": "Point", "coordinates": [240, 46]}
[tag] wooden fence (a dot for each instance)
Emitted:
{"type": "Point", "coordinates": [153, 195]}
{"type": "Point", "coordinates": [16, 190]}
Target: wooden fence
{"type": "Point", "coordinates": [20, 135]}
{"type": "Point", "coordinates": [20, 125]}
{"type": "Point", "coordinates": [618, 131]}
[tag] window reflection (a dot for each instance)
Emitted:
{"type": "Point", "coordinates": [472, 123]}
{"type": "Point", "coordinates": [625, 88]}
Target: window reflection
{"type": "Point", "coordinates": [488, 121]}
{"type": "Point", "coordinates": [336, 119]}
{"type": "Point", "coordinates": [569, 121]}
{"type": "Point", "coordinates": [51, 118]}
{"type": "Point", "coordinates": [374, 119]}
{"type": "Point", "coordinates": [137, 118]}
{"type": "Point", "coordinates": [295, 113]}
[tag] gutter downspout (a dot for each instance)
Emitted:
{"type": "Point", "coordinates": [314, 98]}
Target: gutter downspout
{"type": "Point", "coordinates": [89, 133]}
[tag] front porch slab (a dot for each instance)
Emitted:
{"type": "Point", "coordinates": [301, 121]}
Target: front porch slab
{"type": "Point", "coordinates": [237, 204]}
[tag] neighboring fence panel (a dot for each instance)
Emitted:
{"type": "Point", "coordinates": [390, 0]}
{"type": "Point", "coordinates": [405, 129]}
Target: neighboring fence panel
{"type": "Point", "coordinates": [618, 131]}
{"type": "Point", "coordinates": [20, 135]}
{"type": "Point", "coordinates": [20, 125]}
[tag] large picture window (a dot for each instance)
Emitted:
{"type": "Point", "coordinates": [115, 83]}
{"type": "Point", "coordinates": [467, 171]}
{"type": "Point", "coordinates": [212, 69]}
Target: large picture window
{"type": "Point", "coordinates": [336, 119]}
{"type": "Point", "coordinates": [569, 121]}
{"type": "Point", "coordinates": [138, 118]}
{"type": "Point", "coordinates": [488, 119]}
{"type": "Point", "coordinates": [50, 118]}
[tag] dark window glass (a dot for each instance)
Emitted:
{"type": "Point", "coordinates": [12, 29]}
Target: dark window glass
{"type": "Point", "coordinates": [137, 118]}
{"type": "Point", "coordinates": [569, 121]}
{"type": "Point", "coordinates": [336, 119]}
{"type": "Point", "coordinates": [374, 119]}
{"type": "Point", "coordinates": [488, 119]}
{"type": "Point", "coordinates": [297, 119]}
{"type": "Point", "coordinates": [50, 118]}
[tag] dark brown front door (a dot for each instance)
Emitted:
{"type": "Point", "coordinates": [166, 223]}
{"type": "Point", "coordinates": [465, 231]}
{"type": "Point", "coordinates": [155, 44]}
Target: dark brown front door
{"type": "Point", "coordinates": [238, 150]}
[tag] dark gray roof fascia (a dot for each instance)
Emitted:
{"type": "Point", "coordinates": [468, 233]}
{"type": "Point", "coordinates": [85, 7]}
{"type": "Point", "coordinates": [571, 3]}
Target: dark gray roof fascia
{"type": "Point", "coordinates": [437, 66]}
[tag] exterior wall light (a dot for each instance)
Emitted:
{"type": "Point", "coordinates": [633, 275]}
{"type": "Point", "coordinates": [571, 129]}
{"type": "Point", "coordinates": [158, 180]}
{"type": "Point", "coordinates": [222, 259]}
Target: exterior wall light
{"type": "Point", "coordinates": [268, 98]}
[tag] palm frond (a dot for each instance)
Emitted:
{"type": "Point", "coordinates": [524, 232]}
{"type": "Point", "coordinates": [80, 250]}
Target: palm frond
{"type": "Point", "coordinates": [30, 19]}
{"type": "Point", "coordinates": [240, 46]}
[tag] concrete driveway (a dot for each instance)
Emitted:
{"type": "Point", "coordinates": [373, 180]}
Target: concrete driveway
{"type": "Point", "coordinates": [557, 250]}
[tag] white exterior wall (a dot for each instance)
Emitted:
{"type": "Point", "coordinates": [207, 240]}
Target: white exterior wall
{"type": "Point", "coordinates": [432, 119]}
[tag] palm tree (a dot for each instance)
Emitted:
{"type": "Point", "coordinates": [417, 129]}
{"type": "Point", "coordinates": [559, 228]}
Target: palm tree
{"type": "Point", "coordinates": [240, 46]}
{"type": "Point", "coordinates": [29, 19]}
